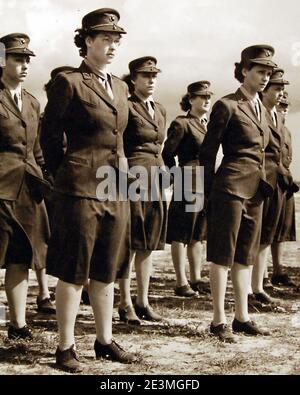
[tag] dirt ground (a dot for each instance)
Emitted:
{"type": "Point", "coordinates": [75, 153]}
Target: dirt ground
{"type": "Point", "coordinates": [179, 345]}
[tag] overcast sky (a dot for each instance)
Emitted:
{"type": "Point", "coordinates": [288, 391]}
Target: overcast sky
{"type": "Point", "coordinates": [192, 40]}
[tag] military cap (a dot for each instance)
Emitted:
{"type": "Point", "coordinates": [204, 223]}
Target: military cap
{"type": "Point", "coordinates": [285, 99]}
{"type": "Point", "coordinates": [277, 77]}
{"type": "Point", "coordinates": [61, 69]}
{"type": "Point", "coordinates": [17, 43]}
{"type": "Point", "coordinates": [146, 64]}
{"type": "Point", "coordinates": [199, 88]}
{"type": "Point", "coordinates": [259, 54]}
{"type": "Point", "coordinates": [102, 20]}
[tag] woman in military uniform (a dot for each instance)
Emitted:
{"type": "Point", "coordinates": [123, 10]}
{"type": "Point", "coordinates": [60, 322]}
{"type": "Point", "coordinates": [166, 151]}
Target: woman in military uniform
{"type": "Point", "coordinates": [236, 191]}
{"type": "Point", "coordinates": [143, 140]}
{"type": "Point", "coordinates": [281, 182]}
{"type": "Point", "coordinates": [90, 232]}
{"type": "Point", "coordinates": [279, 210]}
{"type": "Point", "coordinates": [24, 229]}
{"type": "Point", "coordinates": [185, 136]}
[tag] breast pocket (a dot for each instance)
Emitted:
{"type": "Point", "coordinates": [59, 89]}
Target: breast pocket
{"type": "Point", "coordinates": [87, 102]}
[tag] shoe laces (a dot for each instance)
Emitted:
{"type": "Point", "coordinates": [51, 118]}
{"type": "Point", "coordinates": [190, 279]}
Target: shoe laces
{"type": "Point", "coordinates": [114, 343]}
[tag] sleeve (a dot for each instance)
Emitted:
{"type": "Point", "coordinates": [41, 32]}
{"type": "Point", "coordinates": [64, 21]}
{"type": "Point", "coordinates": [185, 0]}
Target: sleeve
{"type": "Point", "coordinates": [37, 150]}
{"type": "Point", "coordinates": [174, 137]}
{"type": "Point", "coordinates": [52, 129]}
{"type": "Point", "coordinates": [217, 126]}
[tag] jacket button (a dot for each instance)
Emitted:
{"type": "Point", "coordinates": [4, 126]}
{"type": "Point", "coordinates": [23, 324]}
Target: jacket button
{"type": "Point", "coordinates": [156, 155]}
{"type": "Point", "coordinates": [113, 151]}
{"type": "Point", "coordinates": [278, 163]}
{"type": "Point", "coordinates": [24, 160]}
{"type": "Point", "coordinates": [261, 133]}
{"type": "Point", "coordinates": [24, 143]}
{"type": "Point", "coordinates": [260, 167]}
{"type": "Point", "coordinates": [115, 131]}
{"type": "Point", "coordinates": [115, 112]}
{"type": "Point", "coordinates": [262, 150]}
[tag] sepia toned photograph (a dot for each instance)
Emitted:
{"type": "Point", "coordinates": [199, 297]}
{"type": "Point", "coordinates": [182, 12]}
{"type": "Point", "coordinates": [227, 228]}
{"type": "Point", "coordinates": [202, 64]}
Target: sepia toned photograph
{"type": "Point", "coordinates": [149, 190]}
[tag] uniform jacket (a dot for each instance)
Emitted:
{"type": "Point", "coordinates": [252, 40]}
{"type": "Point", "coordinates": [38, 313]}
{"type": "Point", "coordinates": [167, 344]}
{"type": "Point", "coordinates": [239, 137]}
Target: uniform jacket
{"type": "Point", "coordinates": [185, 137]}
{"type": "Point", "coordinates": [234, 125]}
{"type": "Point", "coordinates": [144, 136]}
{"type": "Point", "coordinates": [93, 123]}
{"type": "Point", "coordinates": [20, 150]}
{"type": "Point", "coordinates": [274, 166]}
{"type": "Point", "coordinates": [286, 160]}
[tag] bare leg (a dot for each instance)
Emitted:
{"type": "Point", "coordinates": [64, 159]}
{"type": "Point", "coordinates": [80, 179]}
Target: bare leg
{"type": "Point", "coordinates": [194, 253]}
{"type": "Point", "coordinates": [277, 250]}
{"type": "Point", "coordinates": [124, 284]}
{"type": "Point", "coordinates": [67, 305]}
{"type": "Point", "coordinates": [240, 280]}
{"type": "Point", "coordinates": [259, 269]}
{"type": "Point", "coordinates": [178, 252]}
{"type": "Point", "coordinates": [218, 283]}
{"type": "Point", "coordinates": [143, 267]}
{"type": "Point", "coordinates": [16, 286]}
{"type": "Point", "coordinates": [102, 302]}
{"type": "Point", "coordinates": [42, 280]}
{"type": "Point", "coordinates": [250, 289]}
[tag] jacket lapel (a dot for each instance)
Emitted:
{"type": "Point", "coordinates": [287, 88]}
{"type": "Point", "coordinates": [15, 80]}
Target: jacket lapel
{"type": "Point", "coordinates": [247, 109]}
{"type": "Point", "coordinates": [141, 108]}
{"type": "Point", "coordinates": [8, 102]}
{"type": "Point", "coordinates": [90, 80]}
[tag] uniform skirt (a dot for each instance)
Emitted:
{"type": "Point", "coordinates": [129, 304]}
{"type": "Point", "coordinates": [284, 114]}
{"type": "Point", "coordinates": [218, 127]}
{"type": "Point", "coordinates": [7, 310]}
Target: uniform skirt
{"type": "Point", "coordinates": [148, 225]}
{"type": "Point", "coordinates": [24, 230]}
{"type": "Point", "coordinates": [90, 240]}
{"type": "Point", "coordinates": [233, 229]}
{"type": "Point", "coordinates": [185, 227]}
{"type": "Point", "coordinates": [278, 221]}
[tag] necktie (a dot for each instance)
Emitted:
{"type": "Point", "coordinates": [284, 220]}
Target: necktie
{"type": "Point", "coordinates": [274, 118]}
{"type": "Point", "coordinates": [18, 102]}
{"type": "Point", "coordinates": [150, 108]}
{"type": "Point", "coordinates": [257, 109]}
{"type": "Point", "coordinates": [107, 87]}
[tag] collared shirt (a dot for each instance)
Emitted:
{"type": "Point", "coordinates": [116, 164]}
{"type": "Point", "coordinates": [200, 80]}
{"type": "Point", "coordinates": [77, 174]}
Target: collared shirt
{"type": "Point", "coordinates": [254, 101]}
{"type": "Point", "coordinates": [103, 78]}
{"type": "Point", "coordinates": [203, 120]}
{"type": "Point", "coordinates": [16, 94]}
{"type": "Point", "coordinates": [274, 116]}
{"type": "Point", "coordinates": [150, 104]}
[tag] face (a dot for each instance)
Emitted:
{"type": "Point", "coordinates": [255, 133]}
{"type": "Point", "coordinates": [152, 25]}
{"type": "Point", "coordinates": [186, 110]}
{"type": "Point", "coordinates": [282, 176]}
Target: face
{"type": "Point", "coordinates": [16, 67]}
{"type": "Point", "coordinates": [102, 48]}
{"type": "Point", "coordinates": [274, 94]}
{"type": "Point", "coordinates": [201, 104]}
{"type": "Point", "coordinates": [145, 83]}
{"type": "Point", "coordinates": [257, 78]}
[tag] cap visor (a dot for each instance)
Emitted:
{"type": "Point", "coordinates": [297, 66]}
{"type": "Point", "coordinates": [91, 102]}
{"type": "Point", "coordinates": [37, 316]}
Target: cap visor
{"type": "Point", "coordinates": [263, 62]}
{"type": "Point", "coordinates": [109, 29]}
{"type": "Point", "coordinates": [203, 93]}
{"type": "Point", "coordinates": [27, 52]}
{"type": "Point", "coordinates": [148, 70]}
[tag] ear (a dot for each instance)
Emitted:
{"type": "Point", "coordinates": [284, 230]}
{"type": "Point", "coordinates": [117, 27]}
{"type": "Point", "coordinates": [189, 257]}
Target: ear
{"type": "Point", "coordinates": [244, 72]}
{"type": "Point", "coordinates": [88, 41]}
